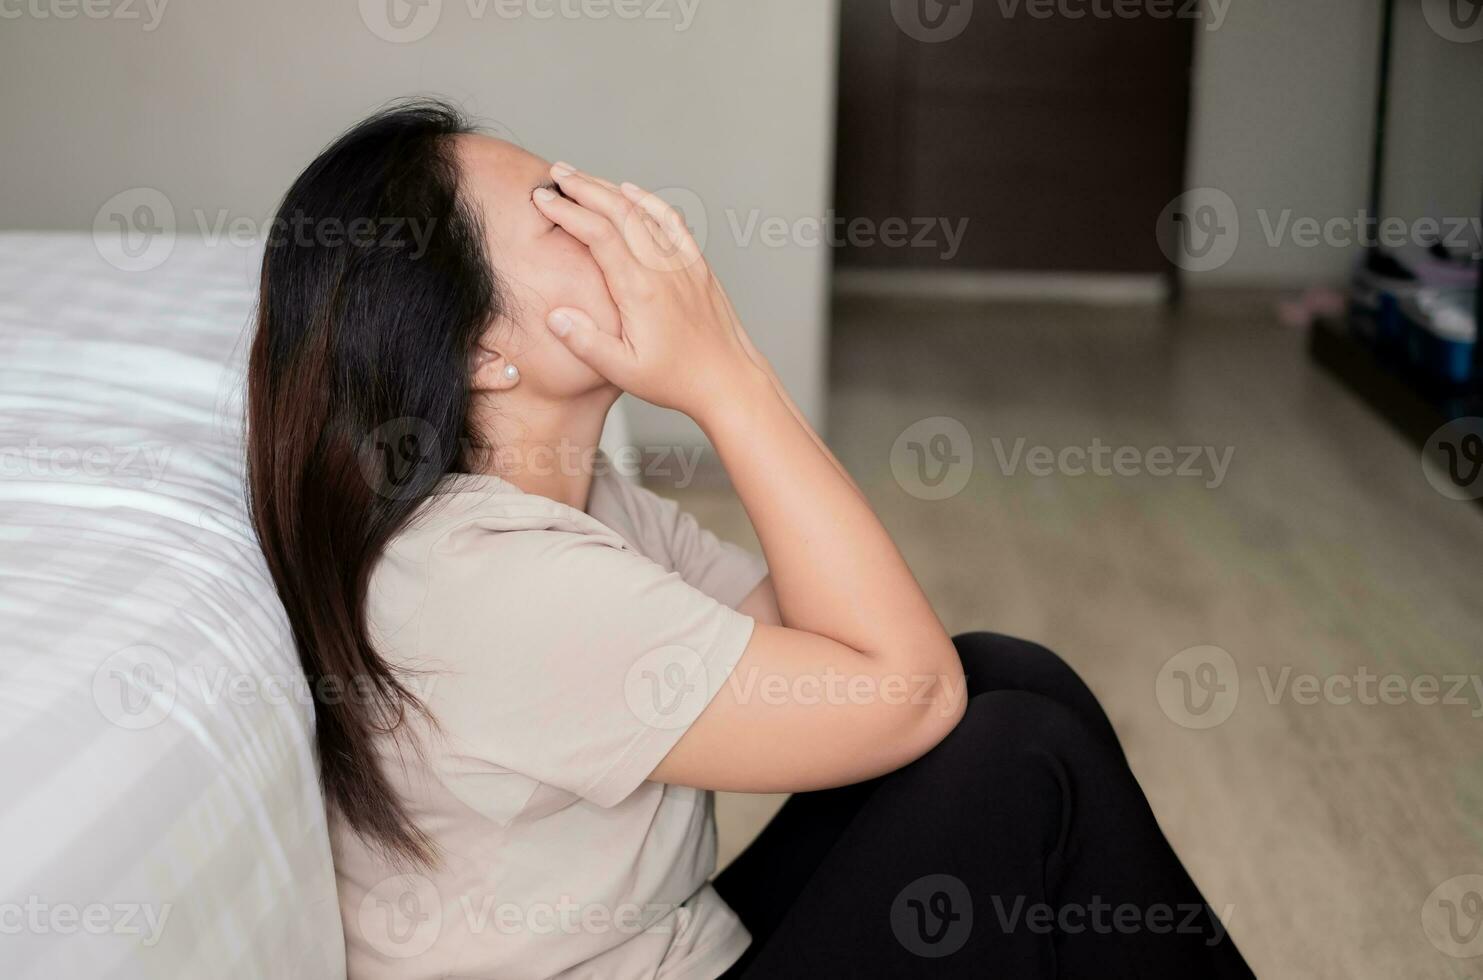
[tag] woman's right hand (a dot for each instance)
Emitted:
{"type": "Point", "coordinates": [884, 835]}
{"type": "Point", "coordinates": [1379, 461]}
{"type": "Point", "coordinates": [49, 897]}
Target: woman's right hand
{"type": "Point", "coordinates": [681, 346]}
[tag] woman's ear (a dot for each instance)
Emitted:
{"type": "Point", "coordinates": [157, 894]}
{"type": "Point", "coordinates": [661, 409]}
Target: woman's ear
{"type": "Point", "coordinates": [492, 371]}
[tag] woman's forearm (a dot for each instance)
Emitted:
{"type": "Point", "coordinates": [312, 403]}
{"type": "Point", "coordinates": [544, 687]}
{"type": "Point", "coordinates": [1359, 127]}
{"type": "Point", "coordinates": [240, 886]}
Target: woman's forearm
{"type": "Point", "coordinates": [834, 568]}
{"type": "Point", "coordinates": [777, 385]}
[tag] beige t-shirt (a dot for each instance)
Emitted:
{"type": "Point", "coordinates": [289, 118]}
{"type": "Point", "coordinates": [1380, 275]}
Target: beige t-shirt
{"type": "Point", "coordinates": [566, 653]}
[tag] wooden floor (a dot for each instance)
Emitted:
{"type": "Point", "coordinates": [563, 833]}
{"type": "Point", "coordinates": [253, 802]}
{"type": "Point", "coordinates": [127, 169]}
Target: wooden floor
{"type": "Point", "coordinates": [1329, 833]}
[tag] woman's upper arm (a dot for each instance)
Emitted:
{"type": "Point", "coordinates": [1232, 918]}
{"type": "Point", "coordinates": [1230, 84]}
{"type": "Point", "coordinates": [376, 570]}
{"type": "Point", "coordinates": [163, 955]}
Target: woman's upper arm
{"type": "Point", "coordinates": [762, 604]}
{"type": "Point", "coordinates": [803, 712]}
{"type": "Point", "coordinates": [718, 568]}
{"type": "Point", "coordinates": [592, 668]}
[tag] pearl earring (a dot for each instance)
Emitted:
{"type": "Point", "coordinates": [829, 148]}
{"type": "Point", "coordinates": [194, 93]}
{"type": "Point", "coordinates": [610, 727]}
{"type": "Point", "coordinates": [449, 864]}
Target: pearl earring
{"type": "Point", "coordinates": [512, 372]}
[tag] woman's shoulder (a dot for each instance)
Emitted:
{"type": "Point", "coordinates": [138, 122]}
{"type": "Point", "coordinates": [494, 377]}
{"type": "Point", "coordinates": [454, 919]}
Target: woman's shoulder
{"type": "Point", "coordinates": [476, 549]}
{"type": "Point", "coordinates": [476, 507]}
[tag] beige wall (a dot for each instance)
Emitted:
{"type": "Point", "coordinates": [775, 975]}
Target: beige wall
{"type": "Point", "coordinates": [218, 104]}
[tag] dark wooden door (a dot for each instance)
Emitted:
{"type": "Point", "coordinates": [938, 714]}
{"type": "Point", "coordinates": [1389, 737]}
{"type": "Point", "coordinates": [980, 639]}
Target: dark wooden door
{"type": "Point", "coordinates": [1059, 139]}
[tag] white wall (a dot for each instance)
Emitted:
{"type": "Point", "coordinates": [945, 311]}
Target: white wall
{"type": "Point", "coordinates": [219, 104]}
{"type": "Point", "coordinates": [1283, 103]}
{"type": "Point", "coordinates": [1434, 164]}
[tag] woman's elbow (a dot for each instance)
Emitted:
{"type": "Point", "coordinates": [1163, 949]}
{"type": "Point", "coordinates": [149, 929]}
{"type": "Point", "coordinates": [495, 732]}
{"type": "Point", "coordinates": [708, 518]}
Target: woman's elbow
{"type": "Point", "coordinates": [939, 705]}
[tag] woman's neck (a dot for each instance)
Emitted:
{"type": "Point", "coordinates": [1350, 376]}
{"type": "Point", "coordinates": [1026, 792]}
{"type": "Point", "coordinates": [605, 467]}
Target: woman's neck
{"type": "Point", "coordinates": [546, 449]}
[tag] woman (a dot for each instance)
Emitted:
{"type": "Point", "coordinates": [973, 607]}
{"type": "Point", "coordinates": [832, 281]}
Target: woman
{"type": "Point", "coordinates": [531, 675]}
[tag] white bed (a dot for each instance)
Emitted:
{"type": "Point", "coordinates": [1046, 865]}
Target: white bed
{"type": "Point", "coordinates": [161, 816]}
{"type": "Point", "coordinates": [130, 586]}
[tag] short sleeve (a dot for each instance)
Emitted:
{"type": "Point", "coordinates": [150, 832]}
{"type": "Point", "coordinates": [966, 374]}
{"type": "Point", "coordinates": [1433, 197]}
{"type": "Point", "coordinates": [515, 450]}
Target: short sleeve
{"type": "Point", "coordinates": [718, 568]}
{"type": "Point", "coordinates": [566, 658]}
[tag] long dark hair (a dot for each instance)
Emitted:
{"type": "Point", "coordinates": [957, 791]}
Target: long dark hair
{"type": "Point", "coordinates": [375, 289]}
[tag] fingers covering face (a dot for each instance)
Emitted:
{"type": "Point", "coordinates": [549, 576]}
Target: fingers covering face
{"type": "Point", "coordinates": [654, 233]}
{"type": "Point", "coordinates": [668, 226]}
{"type": "Point", "coordinates": [582, 219]}
{"type": "Point", "coordinates": [650, 243]}
{"type": "Point", "coordinates": [595, 195]}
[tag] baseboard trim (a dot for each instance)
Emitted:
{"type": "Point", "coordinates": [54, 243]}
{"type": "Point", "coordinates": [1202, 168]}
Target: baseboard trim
{"type": "Point", "coordinates": [1094, 288]}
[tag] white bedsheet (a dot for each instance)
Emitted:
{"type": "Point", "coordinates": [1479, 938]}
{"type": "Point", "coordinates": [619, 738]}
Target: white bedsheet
{"type": "Point", "coordinates": [159, 813]}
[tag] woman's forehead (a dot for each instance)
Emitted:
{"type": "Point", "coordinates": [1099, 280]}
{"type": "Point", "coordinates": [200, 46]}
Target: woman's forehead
{"type": "Point", "coordinates": [500, 165]}
{"type": "Point", "coordinates": [498, 172]}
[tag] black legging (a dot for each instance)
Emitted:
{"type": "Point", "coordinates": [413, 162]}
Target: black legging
{"type": "Point", "coordinates": [1021, 846]}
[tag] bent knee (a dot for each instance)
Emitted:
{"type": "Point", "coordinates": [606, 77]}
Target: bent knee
{"type": "Point", "coordinates": [1014, 728]}
{"type": "Point", "coordinates": [1015, 755]}
{"type": "Point", "coordinates": [1005, 647]}
{"type": "Point", "coordinates": [1020, 663]}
